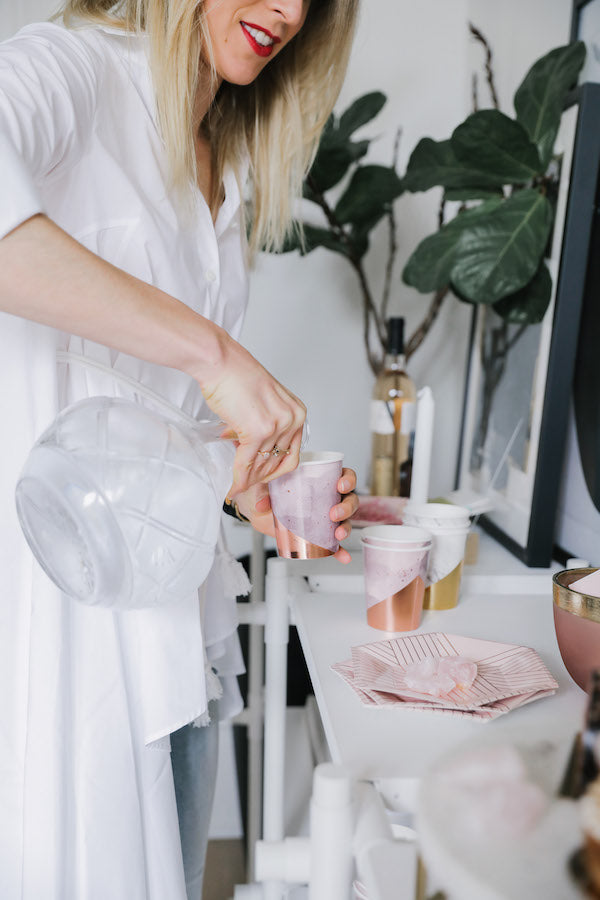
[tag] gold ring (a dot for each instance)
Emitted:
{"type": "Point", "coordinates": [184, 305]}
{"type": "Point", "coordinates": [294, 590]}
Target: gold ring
{"type": "Point", "coordinates": [276, 451]}
{"type": "Point", "coordinates": [264, 453]}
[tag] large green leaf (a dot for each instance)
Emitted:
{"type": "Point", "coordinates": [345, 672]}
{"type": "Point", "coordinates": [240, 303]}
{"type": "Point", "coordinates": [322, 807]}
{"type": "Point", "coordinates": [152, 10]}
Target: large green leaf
{"type": "Point", "coordinates": [462, 195]}
{"type": "Point", "coordinates": [305, 238]}
{"type": "Point", "coordinates": [497, 145]}
{"type": "Point", "coordinates": [334, 158]}
{"type": "Point", "coordinates": [500, 253]}
{"type": "Point", "coordinates": [430, 265]}
{"type": "Point", "coordinates": [371, 190]}
{"type": "Point", "coordinates": [539, 99]}
{"type": "Point", "coordinates": [359, 232]}
{"type": "Point", "coordinates": [360, 112]}
{"type": "Point", "coordinates": [321, 237]}
{"type": "Point", "coordinates": [434, 163]}
{"type": "Point", "coordinates": [528, 306]}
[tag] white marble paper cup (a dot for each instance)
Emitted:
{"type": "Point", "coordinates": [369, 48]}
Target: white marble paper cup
{"type": "Point", "coordinates": [434, 516]}
{"type": "Point", "coordinates": [447, 553]}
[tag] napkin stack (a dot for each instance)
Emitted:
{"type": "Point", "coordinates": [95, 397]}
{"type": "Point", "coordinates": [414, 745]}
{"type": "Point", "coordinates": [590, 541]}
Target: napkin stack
{"type": "Point", "coordinates": [508, 675]}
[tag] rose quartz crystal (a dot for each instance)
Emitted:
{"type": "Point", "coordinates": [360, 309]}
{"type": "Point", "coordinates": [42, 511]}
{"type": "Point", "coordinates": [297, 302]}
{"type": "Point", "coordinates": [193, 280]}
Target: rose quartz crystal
{"type": "Point", "coordinates": [462, 670]}
{"type": "Point", "coordinates": [436, 676]}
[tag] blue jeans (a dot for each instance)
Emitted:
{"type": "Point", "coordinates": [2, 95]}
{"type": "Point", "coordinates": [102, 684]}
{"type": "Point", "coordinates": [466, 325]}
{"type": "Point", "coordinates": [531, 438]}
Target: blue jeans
{"type": "Point", "coordinates": [194, 759]}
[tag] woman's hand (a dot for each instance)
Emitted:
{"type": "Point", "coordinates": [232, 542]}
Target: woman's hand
{"type": "Point", "coordinates": [265, 417]}
{"type": "Point", "coordinates": [255, 505]}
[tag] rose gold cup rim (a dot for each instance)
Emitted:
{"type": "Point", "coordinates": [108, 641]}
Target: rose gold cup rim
{"type": "Point", "coordinates": [575, 602]}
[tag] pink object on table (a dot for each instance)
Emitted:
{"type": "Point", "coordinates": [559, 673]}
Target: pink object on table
{"type": "Point", "coordinates": [378, 511]}
{"type": "Point", "coordinates": [462, 670]}
{"type": "Point", "coordinates": [302, 501]}
{"type": "Point", "coordinates": [589, 584]}
{"type": "Point", "coordinates": [425, 677]}
{"type": "Point", "coordinates": [508, 675]}
{"type": "Point", "coordinates": [395, 567]}
{"type": "Point", "coordinates": [579, 644]}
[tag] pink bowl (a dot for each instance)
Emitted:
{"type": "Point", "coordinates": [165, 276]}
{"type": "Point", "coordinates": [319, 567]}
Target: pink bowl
{"type": "Point", "coordinates": [577, 626]}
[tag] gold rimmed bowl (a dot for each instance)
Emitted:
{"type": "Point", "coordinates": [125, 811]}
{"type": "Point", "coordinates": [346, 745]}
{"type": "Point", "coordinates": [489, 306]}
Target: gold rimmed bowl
{"type": "Point", "coordinates": [577, 625]}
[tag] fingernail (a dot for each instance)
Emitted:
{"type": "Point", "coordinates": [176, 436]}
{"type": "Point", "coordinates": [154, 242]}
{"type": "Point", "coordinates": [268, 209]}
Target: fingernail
{"type": "Point", "coordinates": [344, 485]}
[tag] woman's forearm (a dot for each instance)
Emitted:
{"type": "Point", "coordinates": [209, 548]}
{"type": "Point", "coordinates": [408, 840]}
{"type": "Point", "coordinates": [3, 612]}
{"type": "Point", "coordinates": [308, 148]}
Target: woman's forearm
{"type": "Point", "coordinates": [48, 277]}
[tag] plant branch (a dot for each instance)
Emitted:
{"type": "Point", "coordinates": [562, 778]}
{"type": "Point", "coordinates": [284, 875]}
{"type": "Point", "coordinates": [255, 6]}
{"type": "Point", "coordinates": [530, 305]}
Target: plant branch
{"type": "Point", "coordinates": [393, 239]}
{"type": "Point", "coordinates": [334, 224]}
{"type": "Point", "coordinates": [422, 331]}
{"type": "Point", "coordinates": [489, 72]}
{"type": "Point", "coordinates": [369, 307]}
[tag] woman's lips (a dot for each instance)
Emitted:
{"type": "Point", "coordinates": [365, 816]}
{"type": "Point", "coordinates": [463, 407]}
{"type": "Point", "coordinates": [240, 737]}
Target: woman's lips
{"type": "Point", "coordinates": [261, 40]}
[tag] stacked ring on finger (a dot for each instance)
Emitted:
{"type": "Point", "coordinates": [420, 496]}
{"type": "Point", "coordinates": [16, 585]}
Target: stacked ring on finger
{"type": "Point", "coordinates": [276, 451]}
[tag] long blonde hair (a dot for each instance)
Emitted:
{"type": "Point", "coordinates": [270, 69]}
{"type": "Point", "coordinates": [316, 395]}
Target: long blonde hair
{"type": "Point", "coordinates": [274, 124]}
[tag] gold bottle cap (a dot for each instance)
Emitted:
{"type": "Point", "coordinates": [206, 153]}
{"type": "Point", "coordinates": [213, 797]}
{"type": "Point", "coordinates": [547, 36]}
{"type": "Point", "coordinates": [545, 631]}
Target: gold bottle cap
{"type": "Point", "coordinates": [572, 601]}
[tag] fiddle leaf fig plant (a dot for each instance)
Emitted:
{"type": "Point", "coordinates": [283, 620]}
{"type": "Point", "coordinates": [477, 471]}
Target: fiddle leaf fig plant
{"type": "Point", "coordinates": [503, 173]}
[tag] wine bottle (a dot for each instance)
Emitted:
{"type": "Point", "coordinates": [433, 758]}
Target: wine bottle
{"type": "Point", "coordinates": [393, 417]}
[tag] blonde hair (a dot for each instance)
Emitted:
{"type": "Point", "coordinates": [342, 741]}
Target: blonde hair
{"type": "Point", "coordinates": [274, 123]}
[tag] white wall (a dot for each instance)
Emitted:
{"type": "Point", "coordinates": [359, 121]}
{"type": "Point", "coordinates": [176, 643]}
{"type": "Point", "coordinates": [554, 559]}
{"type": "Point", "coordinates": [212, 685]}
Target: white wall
{"type": "Point", "coordinates": [16, 13]}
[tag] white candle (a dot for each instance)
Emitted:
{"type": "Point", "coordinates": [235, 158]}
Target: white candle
{"type": "Point", "coordinates": [419, 485]}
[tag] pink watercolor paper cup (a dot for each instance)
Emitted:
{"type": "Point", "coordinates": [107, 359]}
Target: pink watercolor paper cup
{"type": "Point", "coordinates": [302, 501]}
{"type": "Point", "coordinates": [395, 568]}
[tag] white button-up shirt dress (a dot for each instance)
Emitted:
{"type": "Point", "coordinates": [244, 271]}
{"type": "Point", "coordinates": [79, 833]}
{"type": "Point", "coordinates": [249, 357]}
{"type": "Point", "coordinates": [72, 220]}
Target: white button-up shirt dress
{"type": "Point", "coordinates": [88, 696]}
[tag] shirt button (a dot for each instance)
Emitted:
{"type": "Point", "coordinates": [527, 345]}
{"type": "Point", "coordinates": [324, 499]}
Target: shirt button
{"type": "Point", "coordinates": [210, 275]}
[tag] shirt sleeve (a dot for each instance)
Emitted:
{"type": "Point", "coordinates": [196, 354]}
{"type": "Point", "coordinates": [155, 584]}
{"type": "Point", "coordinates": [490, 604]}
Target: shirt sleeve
{"type": "Point", "coordinates": [49, 81]}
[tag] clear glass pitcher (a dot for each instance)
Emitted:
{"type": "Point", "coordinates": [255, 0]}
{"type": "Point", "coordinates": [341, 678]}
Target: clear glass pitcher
{"type": "Point", "coordinates": [121, 505]}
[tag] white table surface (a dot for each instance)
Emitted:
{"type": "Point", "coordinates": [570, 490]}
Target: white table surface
{"type": "Point", "coordinates": [500, 600]}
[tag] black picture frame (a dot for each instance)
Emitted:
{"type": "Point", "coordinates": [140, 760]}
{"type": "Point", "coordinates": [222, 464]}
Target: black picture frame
{"type": "Point", "coordinates": [533, 540]}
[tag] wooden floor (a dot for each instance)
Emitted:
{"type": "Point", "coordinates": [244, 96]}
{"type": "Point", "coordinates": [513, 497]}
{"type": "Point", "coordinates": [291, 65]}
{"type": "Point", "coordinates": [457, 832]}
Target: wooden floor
{"type": "Point", "coordinates": [225, 867]}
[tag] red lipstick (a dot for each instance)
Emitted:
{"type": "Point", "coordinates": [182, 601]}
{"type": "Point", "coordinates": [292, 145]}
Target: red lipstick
{"type": "Point", "coordinates": [259, 49]}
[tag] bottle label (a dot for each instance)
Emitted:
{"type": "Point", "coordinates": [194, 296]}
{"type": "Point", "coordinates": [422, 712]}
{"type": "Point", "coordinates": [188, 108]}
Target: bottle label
{"type": "Point", "coordinates": [408, 416]}
{"type": "Point", "coordinates": [394, 415]}
{"type": "Point", "coordinates": [383, 477]}
{"type": "Point", "coordinates": [382, 417]}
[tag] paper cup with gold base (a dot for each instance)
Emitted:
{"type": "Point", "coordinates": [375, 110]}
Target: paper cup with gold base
{"type": "Point", "coordinates": [449, 527]}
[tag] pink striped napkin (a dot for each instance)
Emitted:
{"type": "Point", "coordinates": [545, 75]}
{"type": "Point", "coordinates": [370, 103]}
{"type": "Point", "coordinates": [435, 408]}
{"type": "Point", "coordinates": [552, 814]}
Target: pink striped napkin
{"type": "Point", "coordinates": [508, 675]}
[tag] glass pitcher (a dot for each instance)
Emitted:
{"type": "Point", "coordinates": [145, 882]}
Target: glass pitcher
{"type": "Point", "coordinates": [121, 505]}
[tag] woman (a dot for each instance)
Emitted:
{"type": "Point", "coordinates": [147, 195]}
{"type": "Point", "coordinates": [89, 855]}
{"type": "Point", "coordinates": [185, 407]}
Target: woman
{"type": "Point", "coordinates": [124, 140]}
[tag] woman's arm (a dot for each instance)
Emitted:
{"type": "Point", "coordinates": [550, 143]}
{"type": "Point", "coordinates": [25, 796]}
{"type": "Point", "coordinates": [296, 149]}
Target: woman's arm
{"type": "Point", "coordinates": [47, 276]}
